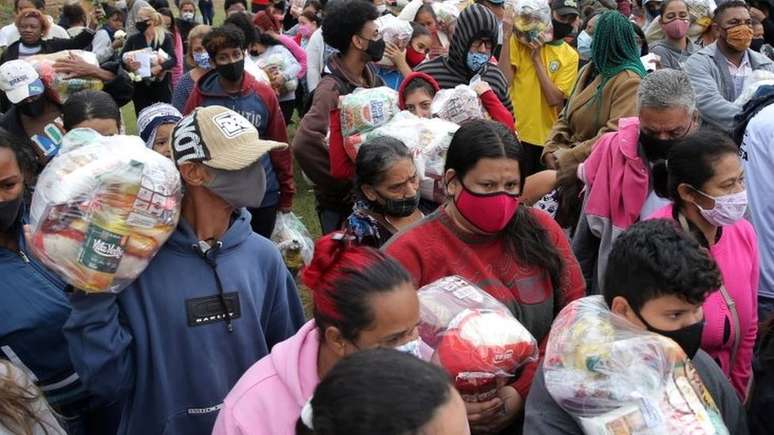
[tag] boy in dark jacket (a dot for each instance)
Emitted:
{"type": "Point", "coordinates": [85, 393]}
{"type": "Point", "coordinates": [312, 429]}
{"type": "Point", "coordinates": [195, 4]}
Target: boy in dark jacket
{"type": "Point", "coordinates": [227, 85]}
{"type": "Point", "coordinates": [349, 27]}
{"type": "Point", "coordinates": [658, 278]}
{"type": "Point", "coordinates": [213, 301]}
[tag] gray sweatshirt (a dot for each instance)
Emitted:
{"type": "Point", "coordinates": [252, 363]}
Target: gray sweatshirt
{"type": "Point", "coordinates": [672, 57]}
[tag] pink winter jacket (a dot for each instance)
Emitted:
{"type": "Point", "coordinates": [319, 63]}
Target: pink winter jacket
{"type": "Point", "coordinates": [268, 398]}
{"type": "Point", "coordinates": [736, 254]}
{"type": "Point", "coordinates": [617, 185]}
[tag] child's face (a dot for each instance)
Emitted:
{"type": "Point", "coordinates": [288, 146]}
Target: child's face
{"type": "Point", "coordinates": [427, 20]}
{"type": "Point", "coordinates": [418, 102]}
{"type": "Point", "coordinates": [758, 31]}
{"type": "Point", "coordinates": [422, 44]}
{"type": "Point", "coordinates": [116, 23]}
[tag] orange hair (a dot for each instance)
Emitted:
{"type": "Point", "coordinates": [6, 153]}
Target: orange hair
{"type": "Point", "coordinates": [33, 13]}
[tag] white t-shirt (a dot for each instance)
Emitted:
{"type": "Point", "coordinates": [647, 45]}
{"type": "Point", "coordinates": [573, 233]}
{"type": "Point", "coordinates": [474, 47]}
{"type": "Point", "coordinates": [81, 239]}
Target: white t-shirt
{"type": "Point", "coordinates": [10, 34]}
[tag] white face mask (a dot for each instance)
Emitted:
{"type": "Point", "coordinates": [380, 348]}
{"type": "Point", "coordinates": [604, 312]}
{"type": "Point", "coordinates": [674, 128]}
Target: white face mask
{"type": "Point", "coordinates": [381, 8]}
{"type": "Point", "coordinates": [188, 16]}
{"type": "Point", "coordinates": [728, 209]}
{"type": "Point", "coordinates": [413, 347]}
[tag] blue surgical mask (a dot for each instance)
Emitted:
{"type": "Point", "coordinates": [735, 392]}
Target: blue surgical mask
{"type": "Point", "coordinates": [413, 347]}
{"type": "Point", "coordinates": [476, 61]}
{"type": "Point", "coordinates": [584, 45]}
{"type": "Point", "coordinates": [202, 60]}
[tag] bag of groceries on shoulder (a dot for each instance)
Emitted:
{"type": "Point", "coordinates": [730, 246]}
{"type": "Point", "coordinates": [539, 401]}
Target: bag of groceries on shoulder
{"type": "Point", "coordinates": [102, 208]}
{"type": "Point", "coordinates": [616, 379]}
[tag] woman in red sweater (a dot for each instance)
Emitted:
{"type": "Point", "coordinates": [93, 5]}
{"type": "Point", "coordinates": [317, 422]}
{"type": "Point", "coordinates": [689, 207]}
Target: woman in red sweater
{"type": "Point", "coordinates": [483, 233]}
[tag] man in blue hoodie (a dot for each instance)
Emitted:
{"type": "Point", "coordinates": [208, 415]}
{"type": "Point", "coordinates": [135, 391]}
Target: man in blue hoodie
{"type": "Point", "coordinates": [213, 301]}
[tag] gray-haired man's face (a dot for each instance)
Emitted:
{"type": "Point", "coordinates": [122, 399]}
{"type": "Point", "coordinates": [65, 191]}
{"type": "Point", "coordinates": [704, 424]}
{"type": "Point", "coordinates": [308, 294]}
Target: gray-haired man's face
{"type": "Point", "coordinates": [667, 123]}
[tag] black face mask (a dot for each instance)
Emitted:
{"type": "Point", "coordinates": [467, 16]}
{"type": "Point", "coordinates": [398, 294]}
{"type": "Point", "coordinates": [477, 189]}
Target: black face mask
{"type": "Point", "coordinates": [561, 29]}
{"type": "Point", "coordinates": [689, 338]}
{"type": "Point", "coordinates": [232, 71]}
{"type": "Point", "coordinates": [141, 26]}
{"type": "Point", "coordinates": [655, 148]}
{"type": "Point", "coordinates": [757, 44]}
{"type": "Point", "coordinates": [375, 50]}
{"type": "Point", "coordinates": [32, 108]}
{"type": "Point", "coordinates": [9, 212]}
{"type": "Point", "coordinates": [398, 208]}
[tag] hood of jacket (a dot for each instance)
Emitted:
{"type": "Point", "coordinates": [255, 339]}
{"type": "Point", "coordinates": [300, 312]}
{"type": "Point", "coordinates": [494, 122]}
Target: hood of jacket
{"type": "Point", "coordinates": [475, 22]}
{"type": "Point", "coordinates": [184, 238]}
{"type": "Point", "coordinates": [295, 361]}
{"type": "Point", "coordinates": [410, 78]}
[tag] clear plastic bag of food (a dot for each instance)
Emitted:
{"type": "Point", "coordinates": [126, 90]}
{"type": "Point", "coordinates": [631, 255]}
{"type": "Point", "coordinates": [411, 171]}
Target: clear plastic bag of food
{"type": "Point", "coordinates": [457, 105]}
{"type": "Point", "coordinates": [394, 31]}
{"type": "Point", "coordinates": [447, 13]}
{"type": "Point", "coordinates": [617, 379]}
{"type": "Point", "coordinates": [366, 109]}
{"type": "Point", "coordinates": [60, 86]}
{"type": "Point", "coordinates": [278, 62]}
{"type": "Point", "coordinates": [293, 240]}
{"type": "Point", "coordinates": [475, 338]}
{"type": "Point", "coordinates": [427, 139]}
{"type": "Point", "coordinates": [531, 17]}
{"type": "Point", "coordinates": [102, 208]}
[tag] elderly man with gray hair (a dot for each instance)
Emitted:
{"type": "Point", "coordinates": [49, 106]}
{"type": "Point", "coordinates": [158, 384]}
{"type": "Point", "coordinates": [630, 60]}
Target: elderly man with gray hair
{"type": "Point", "coordinates": [618, 173]}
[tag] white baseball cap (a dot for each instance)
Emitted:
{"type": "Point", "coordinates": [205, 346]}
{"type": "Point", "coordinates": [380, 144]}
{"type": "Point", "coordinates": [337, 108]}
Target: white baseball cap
{"type": "Point", "coordinates": [19, 81]}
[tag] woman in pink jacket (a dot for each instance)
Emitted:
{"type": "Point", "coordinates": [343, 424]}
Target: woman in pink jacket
{"type": "Point", "coordinates": [362, 300]}
{"type": "Point", "coordinates": [706, 186]}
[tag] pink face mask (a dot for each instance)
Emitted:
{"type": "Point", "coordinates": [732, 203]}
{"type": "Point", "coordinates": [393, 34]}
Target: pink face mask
{"type": "Point", "coordinates": [676, 29]}
{"type": "Point", "coordinates": [304, 30]}
{"type": "Point", "coordinates": [728, 209]}
{"type": "Point", "coordinates": [489, 212]}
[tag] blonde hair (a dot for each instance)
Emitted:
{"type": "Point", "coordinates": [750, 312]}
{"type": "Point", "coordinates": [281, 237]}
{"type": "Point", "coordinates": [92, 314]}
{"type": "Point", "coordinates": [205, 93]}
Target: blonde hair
{"type": "Point", "coordinates": [18, 403]}
{"type": "Point", "coordinates": [156, 21]}
{"type": "Point", "coordinates": [197, 32]}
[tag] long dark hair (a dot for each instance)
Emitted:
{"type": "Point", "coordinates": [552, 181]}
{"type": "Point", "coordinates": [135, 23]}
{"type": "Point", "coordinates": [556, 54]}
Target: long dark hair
{"type": "Point", "coordinates": [25, 156]}
{"type": "Point", "coordinates": [524, 237]}
{"type": "Point", "coordinates": [409, 393]}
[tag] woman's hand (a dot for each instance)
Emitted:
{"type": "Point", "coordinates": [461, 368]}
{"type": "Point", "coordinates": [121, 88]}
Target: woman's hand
{"type": "Point", "coordinates": [156, 70]}
{"type": "Point", "coordinates": [395, 54]}
{"type": "Point", "coordinates": [75, 66]}
{"type": "Point", "coordinates": [481, 87]}
{"type": "Point", "coordinates": [510, 404]}
{"type": "Point", "coordinates": [276, 78]}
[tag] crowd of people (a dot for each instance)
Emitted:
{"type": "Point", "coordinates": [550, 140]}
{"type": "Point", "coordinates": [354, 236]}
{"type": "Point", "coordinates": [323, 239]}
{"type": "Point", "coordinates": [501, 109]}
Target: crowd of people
{"type": "Point", "coordinates": [618, 153]}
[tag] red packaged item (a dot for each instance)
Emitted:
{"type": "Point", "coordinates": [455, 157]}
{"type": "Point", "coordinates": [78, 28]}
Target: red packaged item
{"type": "Point", "coordinates": [475, 338]}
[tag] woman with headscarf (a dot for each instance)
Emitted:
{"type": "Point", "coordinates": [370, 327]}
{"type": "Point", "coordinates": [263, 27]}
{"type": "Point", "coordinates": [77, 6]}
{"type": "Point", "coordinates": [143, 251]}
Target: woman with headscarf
{"type": "Point", "coordinates": [605, 91]}
{"type": "Point", "coordinates": [469, 55]}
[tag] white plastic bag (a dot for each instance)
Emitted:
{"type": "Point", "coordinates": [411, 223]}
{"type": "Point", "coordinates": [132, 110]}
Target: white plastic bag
{"type": "Point", "coordinates": [615, 378]}
{"type": "Point", "coordinates": [395, 31]}
{"type": "Point", "coordinates": [60, 86]}
{"type": "Point", "coordinates": [457, 105]}
{"type": "Point", "coordinates": [102, 208]}
{"type": "Point", "coordinates": [293, 240]}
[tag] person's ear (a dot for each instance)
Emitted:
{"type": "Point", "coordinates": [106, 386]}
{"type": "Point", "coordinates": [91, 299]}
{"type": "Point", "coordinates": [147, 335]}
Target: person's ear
{"type": "Point", "coordinates": [336, 342]}
{"type": "Point", "coordinates": [369, 192]}
{"type": "Point", "coordinates": [621, 307]}
{"type": "Point", "coordinates": [357, 41]}
{"type": "Point", "coordinates": [194, 174]}
{"type": "Point", "coordinates": [686, 193]}
{"type": "Point", "coordinates": [452, 182]}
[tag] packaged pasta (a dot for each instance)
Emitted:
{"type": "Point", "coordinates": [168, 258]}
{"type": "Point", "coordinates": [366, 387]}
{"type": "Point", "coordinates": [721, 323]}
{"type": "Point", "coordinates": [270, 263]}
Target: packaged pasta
{"type": "Point", "coordinates": [366, 109]}
{"type": "Point", "coordinates": [457, 105]}
{"type": "Point", "coordinates": [102, 208]}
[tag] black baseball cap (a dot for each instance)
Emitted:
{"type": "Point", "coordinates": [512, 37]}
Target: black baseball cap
{"type": "Point", "coordinates": [565, 7]}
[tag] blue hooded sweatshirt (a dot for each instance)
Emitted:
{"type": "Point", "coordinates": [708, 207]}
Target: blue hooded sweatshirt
{"type": "Point", "coordinates": [33, 308]}
{"type": "Point", "coordinates": [164, 343]}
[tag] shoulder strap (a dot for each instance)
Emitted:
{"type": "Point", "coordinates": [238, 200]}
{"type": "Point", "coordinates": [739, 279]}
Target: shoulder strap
{"type": "Point", "coordinates": [727, 298]}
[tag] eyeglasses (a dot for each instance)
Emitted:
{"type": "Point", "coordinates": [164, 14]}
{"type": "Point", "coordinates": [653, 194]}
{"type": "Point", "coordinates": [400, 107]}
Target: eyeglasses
{"type": "Point", "coordinates": [482, 43]}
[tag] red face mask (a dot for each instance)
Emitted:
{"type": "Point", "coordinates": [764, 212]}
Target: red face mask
{"type": "Point", "coordinates": [413, 57]}
{"type": "Point", "coordinates": [489, 212]}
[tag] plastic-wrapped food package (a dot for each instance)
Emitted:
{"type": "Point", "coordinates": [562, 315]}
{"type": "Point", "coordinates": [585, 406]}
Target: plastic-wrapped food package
{"type": "Point", "coordinates": [475, 338]}
{"type": "Point", "coordinates": [61, 86]}
{"type": "Point", "coordinates": [532, 18]}
{"type": "Point", "coordinates": [366, 109]}
{"type": "Point", "coordinates": [447, 13]}
{"type": "Point", "coordinates": [147, 58]}
{"type": "Point", "coordinates": [102, 208]}
{"type": "Point", "coordinates": [293, 240]}
{"type": "Point", "coordinates": [395, 31]}
{"type": "Point", "coordinates": [254, 70]}
{"type": "Point", "coordinates": [457, 105]}
{"type": "Point", "coordinates": [617, 379]}
{"type": "Point", "coordinates": [278, 62]}
{"type": "Point", "coordinates": [428, 140]}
